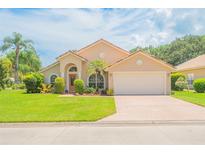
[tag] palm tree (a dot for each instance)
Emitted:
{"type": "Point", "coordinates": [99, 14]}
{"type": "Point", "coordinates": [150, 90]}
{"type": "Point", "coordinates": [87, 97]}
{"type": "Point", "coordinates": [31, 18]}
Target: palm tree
{"type": "Point", "coordinates": [17, 43]}
{"type": "Point", "coordinates": [96, 67]}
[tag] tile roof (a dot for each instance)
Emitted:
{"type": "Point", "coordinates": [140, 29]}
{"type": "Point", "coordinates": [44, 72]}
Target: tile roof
{"type": "Point", "coordinates": [194, 63]}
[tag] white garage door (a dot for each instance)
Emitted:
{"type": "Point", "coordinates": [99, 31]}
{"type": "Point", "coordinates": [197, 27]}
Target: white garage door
{"type": "Point", "coordinates": [139, 83]}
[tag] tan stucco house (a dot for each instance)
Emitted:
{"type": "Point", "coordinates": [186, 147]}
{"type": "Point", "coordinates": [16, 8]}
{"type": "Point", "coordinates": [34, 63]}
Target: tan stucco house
{"type": "Point", "coordinates": [193, 69]}
{"type": "Point", "coordinates": [127, 73]}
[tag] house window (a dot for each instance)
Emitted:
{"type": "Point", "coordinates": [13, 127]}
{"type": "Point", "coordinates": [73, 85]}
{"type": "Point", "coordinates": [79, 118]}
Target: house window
{"type": "Point", "coordinates": [52, 78]}
{"type": "Point", "coordinates": [73, 69]}
{"type": "Point", "coordinates": [96, 81]}
{"type": "Point", "coordinates": [190, 79]}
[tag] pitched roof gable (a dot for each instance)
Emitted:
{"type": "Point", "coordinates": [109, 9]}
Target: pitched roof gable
{"type": "Point", "coordinates": [102, 41]}
{"type": "Point", "coordinates": [198, 62]}
{"type": "Point", "coordinates": [145, 54]}
{"type": "Point", "coordinates": [73, 53]}
{"type": "Point", "coordinates": [49, 66]}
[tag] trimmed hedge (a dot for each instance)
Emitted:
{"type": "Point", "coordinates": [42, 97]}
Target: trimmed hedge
{"type": "Point", "coordinates": [59, 85]}
{"type": "Point", "coordinates": [79, 86]}
{"type": "Point", "coordinates": [33, 82]}
{"type": "Point", "coordinates": [181, 84]}
{"type": "Point", "coordinates": [199, 85]}
{"type": "Point", "coordinates": [174, 78]}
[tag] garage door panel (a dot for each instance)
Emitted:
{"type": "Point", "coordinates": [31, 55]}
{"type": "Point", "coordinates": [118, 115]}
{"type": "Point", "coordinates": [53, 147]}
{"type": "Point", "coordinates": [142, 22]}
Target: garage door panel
{"type": "Point", "coordinates": [139, 83]}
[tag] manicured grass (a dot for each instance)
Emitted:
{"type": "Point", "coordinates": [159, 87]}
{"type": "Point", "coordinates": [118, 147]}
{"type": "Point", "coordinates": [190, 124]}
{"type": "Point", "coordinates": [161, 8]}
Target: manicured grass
{"type": "Point", "coordinates": [191, 96]}
{"type": "Point", "coordinates": [17, 106]}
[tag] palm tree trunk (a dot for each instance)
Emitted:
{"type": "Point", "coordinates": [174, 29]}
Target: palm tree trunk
{"type": "Point", "coordinates": [16, 76]}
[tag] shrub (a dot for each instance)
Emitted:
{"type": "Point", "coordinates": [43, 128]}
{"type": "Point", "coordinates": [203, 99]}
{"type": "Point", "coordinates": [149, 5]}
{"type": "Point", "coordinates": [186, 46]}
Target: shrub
{"type": "Point", "coordinates": [33, 82]}
{"type": "Point", "coordinates": [174, 78]}
{"type": "Point", "coordinates": [110, 92]}
{"type": "Point", "coordinates": [199, 85]}
{"type": "Point", "coordinates": [181, 84]}
{"type": "Point", "coordinates": [46, 88]}
{"type": "Point", "coordinates": [79, 86]}
{"type": "Point", "coordinates": [59, 85]}
{"type": "Point", "coordinates": [9, 82]}
{"type": "Point", "coordinates": [18, 86]}
{"type": "Point", "coordinates": [89, 90]}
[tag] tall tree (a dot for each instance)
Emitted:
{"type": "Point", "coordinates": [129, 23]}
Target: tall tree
{"type": "Point", "coordinates": [29, 61]}
{"type": "Point", "coordinates": [17, 43]}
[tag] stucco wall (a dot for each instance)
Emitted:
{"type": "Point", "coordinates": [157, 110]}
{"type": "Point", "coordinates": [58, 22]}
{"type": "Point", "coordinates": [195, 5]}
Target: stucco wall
{"type": "Point", "coordinates": [198, 73]}
{"type": "Point", "coordinates": [103, 51]}
{"type": "Point", "coordinates": [52, 70]}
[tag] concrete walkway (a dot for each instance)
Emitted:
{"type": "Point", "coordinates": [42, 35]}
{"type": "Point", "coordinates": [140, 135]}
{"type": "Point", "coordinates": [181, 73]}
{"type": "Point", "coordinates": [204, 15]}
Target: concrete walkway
{"type": "Point", "coordinates": [137, 134]}
{"type": "Point", "coordinates": [155, 108]}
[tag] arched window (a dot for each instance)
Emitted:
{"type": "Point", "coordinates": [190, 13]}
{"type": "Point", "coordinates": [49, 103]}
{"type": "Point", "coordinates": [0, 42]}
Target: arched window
{"type": "Point", "coordinates": [73, 69]}
{"type": "Point", "coordinates": [52, 78]}
{"type": "Point", "coordinates": [96, 81]}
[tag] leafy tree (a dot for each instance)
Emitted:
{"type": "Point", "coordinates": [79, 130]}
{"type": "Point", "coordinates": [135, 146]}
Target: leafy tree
{"type": "Point", "coordinates": [179, 50]}
{"type": "Point", "coordinates": [96, 66]}
{"type": "Point", "coordinates": [29, 61]}
{"type": "Point", "coordinates": [18, 43]}
{"type": "Point", "coordinates": [5, 69]}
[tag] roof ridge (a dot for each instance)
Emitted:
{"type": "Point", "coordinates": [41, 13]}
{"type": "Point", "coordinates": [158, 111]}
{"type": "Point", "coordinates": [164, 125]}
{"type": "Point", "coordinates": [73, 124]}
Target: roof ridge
{"type": "Point", "coordinates": [106, 42]}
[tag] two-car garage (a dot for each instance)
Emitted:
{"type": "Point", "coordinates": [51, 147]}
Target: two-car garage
{"type": "Point", "coordinates": [140, 74]}
{"type": "Point", "coordinates": [142, 83]}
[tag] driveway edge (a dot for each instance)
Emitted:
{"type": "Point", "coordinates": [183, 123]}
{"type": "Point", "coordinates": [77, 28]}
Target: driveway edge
{"type": "Point", "coordinates": [101, 123]}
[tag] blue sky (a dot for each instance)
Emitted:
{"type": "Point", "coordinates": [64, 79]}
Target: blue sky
{"type": "Point", "coordinates": [55, 31]}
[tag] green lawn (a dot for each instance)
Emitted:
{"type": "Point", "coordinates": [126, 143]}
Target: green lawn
{"type": "Point", "coordinates": [17, 106]}
{"type": "Point", "coordinates": [191, 96]}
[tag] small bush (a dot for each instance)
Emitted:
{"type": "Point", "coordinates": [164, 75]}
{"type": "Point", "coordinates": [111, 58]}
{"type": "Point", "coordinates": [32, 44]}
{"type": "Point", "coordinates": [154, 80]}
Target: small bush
{"type": "Point", "coordinates": [174, 78]}
{"type": "Point", "coordinates": [79, 86]}
{"type": "Point", "coordinates": [110, 92]}
{"type": "Point", "coordinates": [89, 90]}
{"type": "Point", "coordinates": [9, 82]}
{"type": "Point", "coordinates": [33, 82]}
{"type": "Point", "coordinates": [181, 84]}
{"type": "Point", "coordinates": [199, 85]}
{"type": "Point", "coordinates": [46, 88]}
{"type": "Point", "coordinates": [18, 86]}
{"type": "Point", "coordinates": [59, 85]}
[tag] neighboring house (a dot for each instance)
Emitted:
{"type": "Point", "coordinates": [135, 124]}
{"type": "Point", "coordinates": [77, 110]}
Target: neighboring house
{"type": "Point", "coordinates": [127, 73]}
{"type": "Point", "coordinates": [193, 69]}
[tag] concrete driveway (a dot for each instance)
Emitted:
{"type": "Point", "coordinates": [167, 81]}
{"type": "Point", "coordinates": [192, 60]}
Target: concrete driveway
{"type": "Point", "coordinates": [155, 108]}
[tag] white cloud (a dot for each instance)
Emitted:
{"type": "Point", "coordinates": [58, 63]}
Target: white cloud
{"type": "Point", "coordinates": [164, 11]}
{"type": "Point", "coordinates": [55, 31]}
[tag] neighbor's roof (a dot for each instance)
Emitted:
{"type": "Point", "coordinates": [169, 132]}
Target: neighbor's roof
{"type": "Point", "coordinates": [195, 63]}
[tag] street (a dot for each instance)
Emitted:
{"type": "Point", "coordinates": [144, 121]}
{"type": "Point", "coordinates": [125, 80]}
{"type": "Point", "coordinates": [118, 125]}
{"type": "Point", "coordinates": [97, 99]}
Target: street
{"type": "Point", "coordinates": [95, 134]}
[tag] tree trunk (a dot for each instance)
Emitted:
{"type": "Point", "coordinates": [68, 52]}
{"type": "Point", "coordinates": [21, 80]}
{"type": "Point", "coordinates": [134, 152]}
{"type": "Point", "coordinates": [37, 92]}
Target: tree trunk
{"type": "Point", "coordinates": [16, 75]}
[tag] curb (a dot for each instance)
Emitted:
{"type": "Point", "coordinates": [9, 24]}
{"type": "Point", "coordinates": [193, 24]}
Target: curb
{"type": "Point", "coordinates": [102, 124]}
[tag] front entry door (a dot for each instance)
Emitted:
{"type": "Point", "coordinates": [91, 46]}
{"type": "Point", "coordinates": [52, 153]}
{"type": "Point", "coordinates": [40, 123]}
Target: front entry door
{"type": "Point", "coordinates": [72, 78]}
